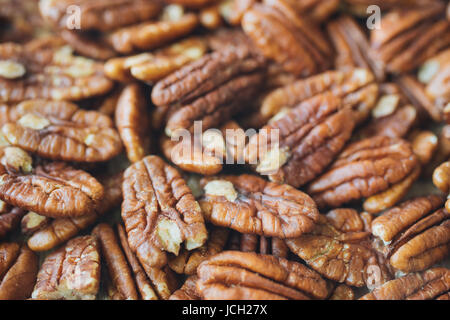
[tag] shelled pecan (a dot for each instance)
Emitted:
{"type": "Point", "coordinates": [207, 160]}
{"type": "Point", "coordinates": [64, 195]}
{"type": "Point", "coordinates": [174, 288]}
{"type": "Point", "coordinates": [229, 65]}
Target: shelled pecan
{"type": "Point", "coordinates": [259, 244]}
{"type": "Point", "coordinates": [416, 235]}
{"type": "Point", "coordinates": [18, 270]}
{"type": "Point", "coordinates": [310, 136]}
{"type": "Point", "coordinates": [60, 130]}
{"type": "Point", "coordinates": [47, 69]}
{"type": "Point", "coordinates": [367, 168]}
{"type": "Point", "coordinates": [9, 218]}
{"type": "Point", "coordinates": [71, 272]}
{"type": "Point", "coordinates": [441, 179]}
{"type": "Point", "coordinates": [249, 276]}
{"type": "Point", "coordinates": [342, 292]}
{"type": "Point", "coordinates": [427, 285]}
{"type": "Point", "coordinates": [188, 290]}
{"type": "Point", "coordinates": [252, 205]}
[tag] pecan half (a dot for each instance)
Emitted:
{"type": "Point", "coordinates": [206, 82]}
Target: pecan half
{"type": "Point", "coordinates": [287, 38]}
{"type": "Point", "coordinates": [416, 235]}
{"type": "Point", "coordinates": [427, 285]}
{"type": "Point", "coordinates": [132, 121]}
{"type": "Point", "coordinates": [441, 179]}
{"type": "Point", "coordinates": [252, 205]}
{"type": "Point", "coordinates": [53, 232]}
{"type": "Point", "coordinates": [71, 272]}
{"type": "Point", "coordinates": [363, 169]}
{"type": "Point", "coordinates": [18, 270]}
{"type": "Point", "coordinates": [159, 212]}
{"type": "Point", "coordinates": [317, 10]}
{"type": "Point", "coordinates": [152, 67]}
{"type": "Point", "coordinates": [409, 36]}
{"type": "Point", "coordinates": [9, 218]}
{"type": "Point", "coordinates": [211, 89]}
{"type": "Point", "coordinates": [310, 137]}
{"type": "Point", "coordinates": [54, 190]}
{"type": "Point", "coordinates": [344, 255]}
{"type": "Point", "coordinates": [355, 87]}
{"type": "Point", "coordinates": [48, 70]}
{"type": "Point", "coordinates": [60, 130]}
{"type": "Point", "coordinates": [342, 292]}
{"type": "Point", "coordinates": [188, 290]}
{"type": "Point", "coordinates": [102, 15]}
{"type": "Point", "coordinates": [234, 275]}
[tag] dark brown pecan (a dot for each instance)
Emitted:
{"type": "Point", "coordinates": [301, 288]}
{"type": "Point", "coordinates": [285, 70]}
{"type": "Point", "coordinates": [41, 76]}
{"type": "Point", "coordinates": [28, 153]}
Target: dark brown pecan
{"type": "Point", "coordinates": [46, 69]}
{"type": "Point", "coordinates": [88, 44]}
{"type": "Point", "coordinates": [287, 38]}
{"type": "Point", "coordinates": [234, 275]}
{"type": "Point", "coordinates": [341, 255]}
{"type": "Point", "coordinates": [187, 261]}
{"type": "Point", "coordinates": [9, 218]}
{"type": "Point", "coordinates": [415, 235]}
{"type": "Point", "coordinates": [342, 292]}
{"type": "Point", "coordinates": [60, 130]}
{"type": "Point", "coordinates": [120, 274]}
{"type": "Point", "coordinates": [71, 272]}
{"type": "Point", "coordinates": [52, 232]}
{"type": "Point", "coordinates": [352, 46]}
{"type": "Point", "coordinates": [427, 285]}
{"type": "Point", "coordinates": [259, 244]}
{"type": "Point", "coordinates": [310, 136]}
{"type": "Point", "coordinates": [252, 205]}
{"type": "Point", "coordinates": [188, 290]}
{"type": "Point", "coordinates": [159, 212]}
{"type": "Point", "coordinates": [102, 15]}
{"type": "Point", "coordinates": [409, 36]}
{"type": "Point", "coordinates": [18, 270]}
{"type": "Point", "coordinates": [132, 121]}
{"type": "Point", "coordinates": [355, 87]}
{"type": "Point", "coordinates": [364, 169]}
{"type": "Point", "coordinates": [54, 190]}
{"type": "Point", "coordinates": [212, 89]}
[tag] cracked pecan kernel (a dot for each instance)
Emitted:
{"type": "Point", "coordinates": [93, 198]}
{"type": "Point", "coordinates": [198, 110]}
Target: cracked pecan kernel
{"type": "Point", "coordinates": [310, 136]}
{"type": "Point", "coordinates": [154, 190]}
{"type": "Point", "coordinates": [60, 130]}
{"type": "Point", "coordinates": [18, 270]}
{"type": "Point", "coordinates": [71, 272]}
{"type": "Point", "coordinates": [33, 222]}
{"type": "Point", "coordinates": [363, 169]}
{"type": "Point", "coordinates": [234, 275]}
{"type": "Point", "coordinates": [250, 204]}
{"type": "Point", "coordinates": [427, 285]}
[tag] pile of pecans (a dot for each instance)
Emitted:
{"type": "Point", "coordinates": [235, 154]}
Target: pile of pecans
{"type": "Point", "coordinates": [273, 149]}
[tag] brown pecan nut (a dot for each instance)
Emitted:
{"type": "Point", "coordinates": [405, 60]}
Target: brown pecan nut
{"type": "Point", "coordinates": [54, 190]}
{"type": "Point", "coordinates": [415, 235]}
{"type": "Point", "coordinates": [355, 87]}
{"type": "Point", "coordinates": [18, 270]}
{"type": "Point", "coordinates": [252, 205]}
{"type": "Point", "coordinates": [192, 3]}
{"type": "Point", "coordinates": [152, 67]}
{"type": "Point", "coordinates": [341, 255]}
{"type": "Point", "coordinates": [424, 144]}
{"type": "Point", "coordinates": [132, 121]}
{"type": "Point", "coordinates": [188, 290]}
{"type": "Point", "coordinates": [187, 261]}
{"type": "Point", "coordinates": [259, 244]}
{"type": "Point", "coordinates": [46, 69]}
{"type": "Point", "coordinates": [363, 169]}
{"type": "Point", "coordinates": [441, 179]}
{"type": "Point", "coordinates": [211, 89]}
{"type": "Point", "coordinates": [317, 10]}
{"type": "Point", "coordinates": [159, 212]}
{"type": "Point", "coordinates": [342, 292]}
{"type": "Point", "coordinates": [102, 15]}
{"type": "Point", "coordinates": [9, 218]}
{"type": "Point", "coordinates": [409, 36]}
{"type": "Point", "coordinates": [88, 44]}
{"type": "Point", "coordinates": [49, 233]}
{"type": "Point", "coordinates": [287, 38]}
{"type": "Point", "coordinates": [352, 46]}
{"type": "Point", "coordinates": [71, 272]}
{"type": "Point", "coordinates": [60, 130]}
{"type": "Point", "coordinates": [310, 136]}
{"type": "Point", "coordinates": [427, 285]}
{"type": "Point", "coordinates": [234, 275]}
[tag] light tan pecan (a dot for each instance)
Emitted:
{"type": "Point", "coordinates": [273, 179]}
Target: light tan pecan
{"type": "Point", "coordinates": [47, 69]}
{"type": "Point", "coordinates": [252, 205]}
{"type": "Point", "coordinates": [18, 270]}
{"type": "Point", "coordinates": [416, 236]}
{"type": "Point", "coordinates": [60, 130]}
{"type": "Point", "coordinates": [427, 285]}
{"type": "Point", "coordinates": [234, 275]}
{"type": "Point", "coordinates": [71, 272]}
{"type": "Point", "coordinates": [365, 168]}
